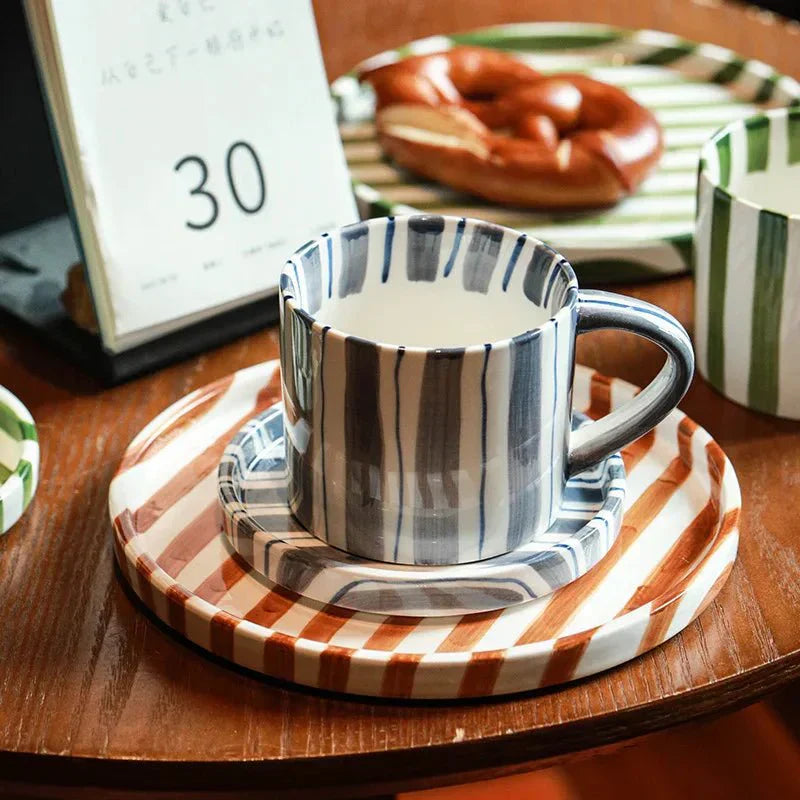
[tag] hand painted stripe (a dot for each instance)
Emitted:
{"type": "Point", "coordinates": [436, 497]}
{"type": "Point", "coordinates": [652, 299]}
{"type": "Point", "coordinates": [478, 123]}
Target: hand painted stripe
{"type": "Point", "coordinates": [312, 272]}
{"type": "Point", "coordinates": [399, 442]}
{"type": "Point", "coordinates": [553, 425]}
{"type": "Point", "coordinates": [690, 546]}
{"type": "Point", "coordinates": [767, 89]}
{"type": "Point", "coordinates": [193, 407]}
{"type": "Point", "coordinates": [219, 582]}
{"type": "Point", "coordinates": [363, 451]}
{"type": "Point", "coordinates": [189, 541]}
{"type": "Point", "coordinates": [484, 423]}
{"type": "Point", "coordinates": [424, 243]}
{"type": "Point", "coordinates": [661, 618]}
{"type": "Point", "coordinates": [353, 269]}
{"type": "Point", "coordinates": [717, 279]}
{"type": "Point", "coordinates": [554, 275]}
{"type": "Point", "coordinates": [667, 55]}
{"type": "Point", "coordinates": [448, 267]}
{"type": "Point", "coordinates": [723, 147]}
{"type": "Point", "coordinates": [271, 606]}
{"type": "Point", "coordinates": [512, 262]}
{"type": "Point", "coordinates": [757, 133]}
{"type": "Point", "coordinates": [387, 249]}
{"type": "Point", "coordinates": [175, 486]}
{"type": "Point", "coordinates": [793, 135]}
{"type": "Point", "coordinates": [524, 438]}
{"type": "Point", "coordinates": [729, 72]}
{"type": "Point", "coordinates": [536, 273]}
{"type": "Point", "coordinates": [322, 442]}
{"type": "Point", "coordinates": [329, 248]}
{"type": "Point", "coordinates": [437, 459]}
{"type": "Point", "coordinates": [481, 258]}
{"type": "Point", "coordinates": [763, 385]}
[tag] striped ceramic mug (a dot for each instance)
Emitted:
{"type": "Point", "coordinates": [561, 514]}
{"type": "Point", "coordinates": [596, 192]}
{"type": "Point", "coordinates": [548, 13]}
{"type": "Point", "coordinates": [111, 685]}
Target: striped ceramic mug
{"type": "Point", "coordinates": [427, 366]}
{"type": "Point", "coordinates": [747, 262]}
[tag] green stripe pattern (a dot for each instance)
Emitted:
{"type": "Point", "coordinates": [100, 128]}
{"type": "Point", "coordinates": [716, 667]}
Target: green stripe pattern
{"type": "Point", "coordinates": [757, 143]}
{"type": "Point", "coordinates": [747, 306]}
{"type": "Point", "coordinates": [767, 307]}
{"type": "Point", "coordinates": [720, 227]}
{"type": "Point", "coordinates": [653, 229]}
{"type": "Point", "coordinates": [19, 459]}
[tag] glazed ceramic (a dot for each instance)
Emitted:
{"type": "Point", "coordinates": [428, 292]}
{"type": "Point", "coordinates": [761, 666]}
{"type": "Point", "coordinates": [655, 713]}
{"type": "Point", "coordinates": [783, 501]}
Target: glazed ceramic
{"type": "Point", "coordinates": [19, 459]}
{"type": "Point", "coordinates": [252, 486]}
{"type": "Point", "coordinates": [427, 367]}
{"type": "Point", "coordinates": [692, 88]}
{"type": "Point", "coordinates": [747, 297]}
{"type": "Point", "coordinates": [676, 547]}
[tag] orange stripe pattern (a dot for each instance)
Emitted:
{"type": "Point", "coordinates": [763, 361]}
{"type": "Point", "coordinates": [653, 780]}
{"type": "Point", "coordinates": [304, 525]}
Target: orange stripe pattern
{"type": "Point", "coordinates": [176, 558]}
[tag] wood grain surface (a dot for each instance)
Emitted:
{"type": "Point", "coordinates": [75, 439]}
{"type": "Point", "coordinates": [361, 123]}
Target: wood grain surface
{"type": "Point", "coordinates": [94, 692]}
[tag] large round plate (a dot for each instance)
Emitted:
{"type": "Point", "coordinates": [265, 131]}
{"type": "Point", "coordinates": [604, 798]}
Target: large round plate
{"type": "Point", "coordinates": [692, 88]}
{"type": "Point", "coordinates": [252, 486]}
{"type": "Point", "coordinates": [676, 547]}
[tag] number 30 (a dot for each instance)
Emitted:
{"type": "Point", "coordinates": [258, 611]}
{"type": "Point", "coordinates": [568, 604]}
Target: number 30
{"type": "Point", "coordinates": [201, 191]}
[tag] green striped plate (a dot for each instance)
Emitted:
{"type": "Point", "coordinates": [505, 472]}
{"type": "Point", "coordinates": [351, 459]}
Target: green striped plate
{"type": "Point", "coordinates": [693, 89]}
{"type": "Point", "coordinates": [19, 459]}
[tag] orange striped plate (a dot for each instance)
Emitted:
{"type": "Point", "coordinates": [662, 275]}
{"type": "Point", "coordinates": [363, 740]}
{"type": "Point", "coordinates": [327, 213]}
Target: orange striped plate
{"type": "Point", "coordinates": [675, 549]}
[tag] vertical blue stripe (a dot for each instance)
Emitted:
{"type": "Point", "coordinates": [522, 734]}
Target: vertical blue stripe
{"type": "Point", "coordinates": [512, 262]}
{"type": "Point", "coordinates": [448, 267]}
{"type": "Point", "coordinates": [330, 264]}
{"type": "Point", "coordinates": [550, 283]}
{"type": "Point", "coordinates": [554, 417]}
{"type": "Point", "coordinates": [525, 413]}
{"type": "Point", "coordinates": [535, 273]}
{"type": "Point", "coordinates": [482, 528]}
{"type": "Point", "coordinates": [424, 236]}
{"type": "Point", "coordinates": [354, 241]}
{"type": "Point", "coordinates": [573, 560]}
{"type": "Point", "coordinates": [387, 249]}
{"type": "Point", "coordinates": [400, 353]}
{"type": "Point", "coordinates": [322, 426]}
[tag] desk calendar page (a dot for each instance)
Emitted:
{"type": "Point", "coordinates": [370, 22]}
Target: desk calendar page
{"type": "Point", "coordinates": [208, 150]}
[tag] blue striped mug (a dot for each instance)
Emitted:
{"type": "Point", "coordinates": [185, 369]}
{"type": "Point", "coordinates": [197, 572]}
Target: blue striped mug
{"type": "Point", "coordinates": [427, 367]}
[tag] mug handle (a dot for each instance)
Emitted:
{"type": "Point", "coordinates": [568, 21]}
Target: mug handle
{"type": "Point", "coordinates": [597, 440]}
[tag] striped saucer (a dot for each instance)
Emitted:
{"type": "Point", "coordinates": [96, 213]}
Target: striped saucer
{"type": "Point", "coordinates": [675, 549]}
{"type": "Point", "coordinates": [252, 486]}
{"type": "Point", "coordinates": [19, 459]}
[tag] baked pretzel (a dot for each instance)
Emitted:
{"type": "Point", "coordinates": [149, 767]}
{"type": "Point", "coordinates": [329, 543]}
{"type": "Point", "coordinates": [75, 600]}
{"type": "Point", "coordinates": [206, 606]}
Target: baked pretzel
{"type": "Point", "coordinates": [483, 122]}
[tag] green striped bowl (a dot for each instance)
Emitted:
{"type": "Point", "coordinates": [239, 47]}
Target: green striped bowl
{"type": "Point", "coordinates": [19, 459]}
{"type": "Point", "coordinates": [692, 88]}
{"type": "Point", "coordinates": [747, 295]}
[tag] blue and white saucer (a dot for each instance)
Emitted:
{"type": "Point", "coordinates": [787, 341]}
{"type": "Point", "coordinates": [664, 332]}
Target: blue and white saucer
{"type": "Point", "coordinates": [251, 484]}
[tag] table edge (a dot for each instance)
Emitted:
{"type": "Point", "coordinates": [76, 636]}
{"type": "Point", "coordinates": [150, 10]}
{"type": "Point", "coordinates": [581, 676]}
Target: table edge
{"type": "Point", "coordinates": [507, 752]}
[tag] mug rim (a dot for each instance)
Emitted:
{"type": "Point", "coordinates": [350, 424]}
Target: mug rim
{"type": "Point", "coordinates": [710, 145]}
{"type": "Point", "coordinates": [288, 300]}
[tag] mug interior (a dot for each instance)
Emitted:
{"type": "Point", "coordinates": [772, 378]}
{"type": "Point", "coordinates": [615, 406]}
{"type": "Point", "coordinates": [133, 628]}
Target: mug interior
{"type": "Point", "coordinates": [429, 281]}
{"type": "Point", "coordinates": [757, 161]}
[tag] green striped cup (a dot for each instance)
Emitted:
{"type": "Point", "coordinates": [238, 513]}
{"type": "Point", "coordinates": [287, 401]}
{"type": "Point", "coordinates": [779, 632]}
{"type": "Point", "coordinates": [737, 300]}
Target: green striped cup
{"type": "Point", "coordinates": [747, 262]}
{"type": "Point", "coordinates": [19, 459]}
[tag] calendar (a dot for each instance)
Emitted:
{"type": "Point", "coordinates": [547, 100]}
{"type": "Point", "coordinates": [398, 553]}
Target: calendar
{"type": "Point", "coordinates": [199, 148]}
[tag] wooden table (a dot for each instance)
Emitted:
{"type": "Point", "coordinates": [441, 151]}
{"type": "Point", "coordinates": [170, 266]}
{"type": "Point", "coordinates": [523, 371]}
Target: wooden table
{"type": "Point", "coordinates": [95, 692]}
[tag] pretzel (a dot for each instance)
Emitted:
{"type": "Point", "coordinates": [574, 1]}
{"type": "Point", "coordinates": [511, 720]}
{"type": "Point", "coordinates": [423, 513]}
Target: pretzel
{"type": "Point", "coordinates": [485, 123]}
